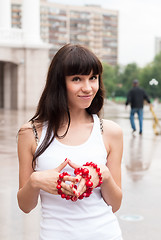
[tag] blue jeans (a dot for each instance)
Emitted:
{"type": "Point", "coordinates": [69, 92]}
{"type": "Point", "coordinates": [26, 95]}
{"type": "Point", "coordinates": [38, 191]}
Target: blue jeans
{"type": "Point", "coordinates": [139, 112]}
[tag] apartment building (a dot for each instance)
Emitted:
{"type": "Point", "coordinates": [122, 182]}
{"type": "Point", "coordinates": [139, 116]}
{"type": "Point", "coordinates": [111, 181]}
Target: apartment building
{"type": "Point", "coordinates": [16, 15]}
{"type": "Point", "coordinates": [89, 25]}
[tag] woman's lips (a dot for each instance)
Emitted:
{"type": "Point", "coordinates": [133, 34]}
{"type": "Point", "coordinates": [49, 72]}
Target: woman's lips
{"type": "Point", "coordinates": [85, 96]}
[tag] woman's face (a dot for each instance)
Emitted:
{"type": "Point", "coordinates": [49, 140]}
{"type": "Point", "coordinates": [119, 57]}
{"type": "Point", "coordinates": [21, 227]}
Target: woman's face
{"type": "Point", "coordinates": [81, 89]}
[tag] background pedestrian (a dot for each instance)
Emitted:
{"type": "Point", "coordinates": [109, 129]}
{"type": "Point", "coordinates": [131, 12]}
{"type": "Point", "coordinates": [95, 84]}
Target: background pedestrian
{"type": "Point", "coordinates": [135, 98]}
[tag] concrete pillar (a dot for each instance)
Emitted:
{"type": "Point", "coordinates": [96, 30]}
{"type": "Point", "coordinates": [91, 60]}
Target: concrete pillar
{"type": "Point", "coordinates": [5, 14]}
{"type": "Point", "coordinates": [1, 84]}
{"type": "Point", "coordinates": [36, 65]}
{"type": "Point", "coordinates": [21, 84]}
{"type": "Point", "coordinates": [31, 21]}
{"type": "Point", "coordinates": [14, 86]}
{"type": "Point", "coordinates": [7, 86]}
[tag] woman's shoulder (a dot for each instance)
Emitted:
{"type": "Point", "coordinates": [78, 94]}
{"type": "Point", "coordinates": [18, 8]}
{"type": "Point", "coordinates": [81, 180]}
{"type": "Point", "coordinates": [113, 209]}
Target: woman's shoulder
{"type": "Point", "coordinates": [25, 129]}
{"type": "Point", "coordinates": [30, 131]}
{"type": "Point", "coordinates": [31, 125]}
{"type": "Point", "coordinates": [26, 126]}
{"type": "Point", "coordinates": [111, 128]}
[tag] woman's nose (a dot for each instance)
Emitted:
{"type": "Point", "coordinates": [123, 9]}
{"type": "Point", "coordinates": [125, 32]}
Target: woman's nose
{"type": "Point", "coordinates": [86, 86]}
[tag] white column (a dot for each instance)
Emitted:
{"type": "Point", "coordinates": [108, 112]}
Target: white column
{"type": "Point", "coordinates": [7, 86]}
{"type": "Point", "coordinates": [5, 14]}
{"type": "Point", "coordinates": [31, 21]}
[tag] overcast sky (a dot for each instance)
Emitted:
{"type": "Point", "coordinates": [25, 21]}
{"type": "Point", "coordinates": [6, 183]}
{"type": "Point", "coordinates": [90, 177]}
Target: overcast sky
{"type": "Point", "coordinates": [139, 25]}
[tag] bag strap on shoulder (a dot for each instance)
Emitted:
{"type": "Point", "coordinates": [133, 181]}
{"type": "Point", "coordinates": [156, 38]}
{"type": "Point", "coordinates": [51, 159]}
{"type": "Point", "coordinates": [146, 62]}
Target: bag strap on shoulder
{"type": "Point", "coordinates": [35, 132]}
{"type": "Point", "coordinates": [101, 125]}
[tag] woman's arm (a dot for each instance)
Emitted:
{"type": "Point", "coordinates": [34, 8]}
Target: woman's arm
{"type": "Point", "coordinates": [27, 195]}
{"type": "Point", "coordinates": [111, 186]}
{"type": "Point", "coordinates": [111, 173]}
{"type": "Point", "coordinates": [31, 182]}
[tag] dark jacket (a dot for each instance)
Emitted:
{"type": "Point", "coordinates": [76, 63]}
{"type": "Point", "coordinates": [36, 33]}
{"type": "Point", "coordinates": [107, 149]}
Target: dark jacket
{"type": "Point", "coordinates": [136, 97]}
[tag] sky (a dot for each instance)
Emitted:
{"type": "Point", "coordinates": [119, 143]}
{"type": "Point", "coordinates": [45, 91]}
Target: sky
{"type": "Point", "coordinates": [139, 25]}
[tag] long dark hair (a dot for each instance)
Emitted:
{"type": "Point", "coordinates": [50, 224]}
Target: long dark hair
{"type": "Point", "coordinates": [52, 107]}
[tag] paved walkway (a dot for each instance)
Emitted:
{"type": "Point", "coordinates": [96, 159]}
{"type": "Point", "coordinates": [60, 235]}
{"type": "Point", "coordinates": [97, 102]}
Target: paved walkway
{"type": "Point", "coordinates": [140, 213]}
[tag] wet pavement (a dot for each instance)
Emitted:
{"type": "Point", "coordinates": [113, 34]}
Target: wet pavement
{"type": "Point", "coordinates": [140, 213]}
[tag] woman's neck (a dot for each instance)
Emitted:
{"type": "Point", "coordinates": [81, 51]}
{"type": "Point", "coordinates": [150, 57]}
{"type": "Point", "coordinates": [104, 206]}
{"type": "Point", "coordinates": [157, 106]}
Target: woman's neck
{"type": "Point", "coordinates": [79, 116]}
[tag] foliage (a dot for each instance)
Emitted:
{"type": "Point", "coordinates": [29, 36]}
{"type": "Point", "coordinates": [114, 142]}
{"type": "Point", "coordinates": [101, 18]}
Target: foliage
{"type": "Point", "coordinates": [118, 79]}
{"type": "Point", "coordinates": [109, 79]}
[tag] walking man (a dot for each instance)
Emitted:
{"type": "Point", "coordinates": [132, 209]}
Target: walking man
{"type": "Point", "coordinates": [135, 98]}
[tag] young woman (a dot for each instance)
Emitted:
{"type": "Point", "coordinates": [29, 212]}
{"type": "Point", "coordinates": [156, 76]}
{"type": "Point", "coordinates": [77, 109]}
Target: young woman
{"type": "Point", "coordinates": [78, 202]}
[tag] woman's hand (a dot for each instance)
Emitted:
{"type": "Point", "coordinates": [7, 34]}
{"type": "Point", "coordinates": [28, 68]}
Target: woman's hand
{"type": "Point", "coordinates": [47, 180]}
{"type": "Point", "coordinates": [94, 176]}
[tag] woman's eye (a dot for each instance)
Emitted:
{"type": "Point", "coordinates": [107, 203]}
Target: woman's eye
{"type": "Point", "coordinates": [94, 77]}
{"type": "Point", "coordinates": [76, 79]}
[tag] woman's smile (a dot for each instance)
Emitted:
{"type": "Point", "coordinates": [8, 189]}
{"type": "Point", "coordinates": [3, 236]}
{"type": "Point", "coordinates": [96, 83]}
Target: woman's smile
{"type": "Point", "coordinates": [85, 97]}
{"type": "Point", "coordinates": [81, 89]}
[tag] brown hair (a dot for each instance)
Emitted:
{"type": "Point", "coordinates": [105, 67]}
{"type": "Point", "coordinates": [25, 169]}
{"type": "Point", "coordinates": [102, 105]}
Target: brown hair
{"type": "Point", "coordinates": [52, 107]}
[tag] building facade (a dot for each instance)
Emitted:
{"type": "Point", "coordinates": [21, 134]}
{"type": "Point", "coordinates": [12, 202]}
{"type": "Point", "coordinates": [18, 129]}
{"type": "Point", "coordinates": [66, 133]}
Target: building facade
{"type": "Point", "coordinates": [31, 32]}
{"type": "Point", "coordinates": [24, 57]}
{"type": "Point", "coordinates": [89, 25]}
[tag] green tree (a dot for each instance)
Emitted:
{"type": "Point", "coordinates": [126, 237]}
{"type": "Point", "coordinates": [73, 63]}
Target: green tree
{"type": "Point", "coordinates": [146, 74]}
{"type": "Point", "coordinates": [149, 72]}
{"type": "Point", "coordinates": [131, 72]}
{"type": "Point", "coordinates": [109, 79]}
{"type": "Point", "coordinates": [156, 73]}
{"type": "Point", "coordinates": [118, 79]}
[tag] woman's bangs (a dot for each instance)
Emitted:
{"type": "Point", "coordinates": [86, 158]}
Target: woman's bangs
{"type": "Point", "coordinates": [81, 63]}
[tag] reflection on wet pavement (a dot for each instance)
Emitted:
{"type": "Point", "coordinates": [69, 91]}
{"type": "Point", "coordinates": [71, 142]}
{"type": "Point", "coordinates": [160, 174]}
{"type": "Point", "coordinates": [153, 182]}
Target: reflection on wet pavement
{"type": "Point", "coordinates": [140, 156]}
{"type": "Point", "coordinates": [141, 179]}
{"type": "Point", "coordinates": [140, 153]}
{"type": "Point", "coordinates": [139, 215]}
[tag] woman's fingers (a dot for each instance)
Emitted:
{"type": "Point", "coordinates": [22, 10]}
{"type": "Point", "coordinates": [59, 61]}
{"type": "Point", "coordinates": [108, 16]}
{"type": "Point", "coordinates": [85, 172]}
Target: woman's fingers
{"type": "Point", "coordinates": [69, 189]}
{"type": "Point", "coordinates": [62, 165]}
{"type": "Point", "coordinates": [72, 179]}
{"type": "Point", "coordinates": [81, 187]}
{"type": "Point", "coordinates": [73, 165]}
{"type": "Point", "coordinates": [68, 192]}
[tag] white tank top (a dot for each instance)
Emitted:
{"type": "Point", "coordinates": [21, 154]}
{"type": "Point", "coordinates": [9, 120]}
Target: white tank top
{"type": "Point", "coordinates": [87, 219]}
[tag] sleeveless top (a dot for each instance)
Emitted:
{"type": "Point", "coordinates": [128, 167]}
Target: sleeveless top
{"type": "Point", "coordinates": [88, 219]}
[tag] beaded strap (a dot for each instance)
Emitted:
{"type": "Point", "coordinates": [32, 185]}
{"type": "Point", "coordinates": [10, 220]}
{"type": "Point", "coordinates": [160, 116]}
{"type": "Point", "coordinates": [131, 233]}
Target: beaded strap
{"type": "Point", "coordinates": [35, 132]}
{"type": "Point", "coordinates": [101, 125]}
